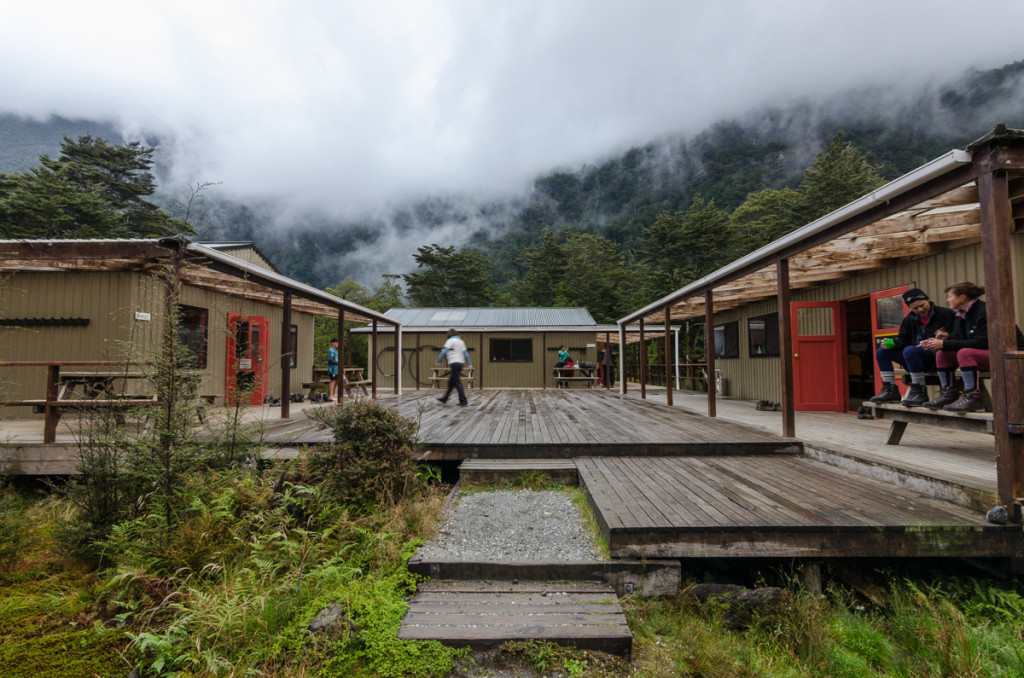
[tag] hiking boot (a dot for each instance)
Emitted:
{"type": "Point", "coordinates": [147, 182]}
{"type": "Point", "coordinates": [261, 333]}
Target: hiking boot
{"type": "Point", "coordinates": [888, 394]}
{"type": "Point", "coordinates": [916, 396]}
{"type": "Point", "coordinates": [947, 396]}
{"type": "Point", "coordinates": [970, 401]}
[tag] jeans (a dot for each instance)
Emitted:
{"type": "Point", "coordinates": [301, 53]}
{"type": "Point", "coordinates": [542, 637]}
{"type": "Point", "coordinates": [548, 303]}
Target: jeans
{"type": "Point", "coordinates": [914, 358]}
{"type": "Point", "coordinates": [455, 382]}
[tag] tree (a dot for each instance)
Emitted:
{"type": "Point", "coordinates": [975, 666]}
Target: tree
{"type": "Point", "coordinates": [840, 174]}
{"type": "Point", "coordinates": [544, 271]}
{"type": "Point", "coordinates": [680, 248]}
{"type": "Point", "coordinates": [765, 216]}
{"type": "Point", "coordinates": [449, 278]}
{"type": "Point", "coordinates": [592, 276]}
{"type": "Point", "coordinates": [92, 190]}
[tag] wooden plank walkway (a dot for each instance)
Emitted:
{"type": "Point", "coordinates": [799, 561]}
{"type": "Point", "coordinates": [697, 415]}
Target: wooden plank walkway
{"type": "Point", "coordinates": [775, 506]}
{"type": "Point", "coordinates": [485, 614]}
{"type": "Point", "coordinates": [519, 423]}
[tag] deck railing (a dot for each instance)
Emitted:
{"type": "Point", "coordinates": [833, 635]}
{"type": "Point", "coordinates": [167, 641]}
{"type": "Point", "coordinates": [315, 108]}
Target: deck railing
{"type": "Point", "coordinates": [691, 375]}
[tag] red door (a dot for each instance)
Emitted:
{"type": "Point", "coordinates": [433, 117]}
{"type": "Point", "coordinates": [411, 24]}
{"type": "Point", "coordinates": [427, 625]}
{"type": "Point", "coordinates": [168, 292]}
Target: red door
{"type": "Point", "coordinates": [887, 311]}
{"type": "Point", "coordinates": [247, 364]}
{"type": "Point", "coordinates": [819, 371]}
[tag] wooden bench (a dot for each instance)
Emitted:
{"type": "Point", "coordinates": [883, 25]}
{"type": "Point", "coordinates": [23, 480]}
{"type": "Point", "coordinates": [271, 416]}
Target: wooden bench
{"type": "Point", "coordinates": [900, 416]}
{"type": "Point", "coordinates": [583, 375]}
{"type": "Point", "coordinates": [439, 377]}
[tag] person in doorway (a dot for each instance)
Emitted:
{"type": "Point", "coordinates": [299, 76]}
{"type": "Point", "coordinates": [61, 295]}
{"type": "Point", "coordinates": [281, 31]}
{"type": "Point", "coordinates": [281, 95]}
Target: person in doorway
{"type": "Point", "coordinates": [966, 348]}
{"type": "Point", "coordinates": [922, 323]}
{"type": "Point", "coordinates": [332, 371]}
{"type": "Point", "coordinates": [458, 357]}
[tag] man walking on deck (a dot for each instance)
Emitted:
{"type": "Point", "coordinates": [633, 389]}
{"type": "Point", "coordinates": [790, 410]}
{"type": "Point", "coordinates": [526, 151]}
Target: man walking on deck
{"type": "Point", "coordinates": [455, 350]}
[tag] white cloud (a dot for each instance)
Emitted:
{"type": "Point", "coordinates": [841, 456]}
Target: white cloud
{"type": "Point", "coordinates": [348, 104]}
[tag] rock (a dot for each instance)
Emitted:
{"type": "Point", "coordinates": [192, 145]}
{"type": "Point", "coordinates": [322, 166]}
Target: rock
{"type": "Point", "coordinates": [737, 604]}
{"type": "Point", "coordinates": [332, 622]}
{"type": "Point", "coordinates": [998, 515]}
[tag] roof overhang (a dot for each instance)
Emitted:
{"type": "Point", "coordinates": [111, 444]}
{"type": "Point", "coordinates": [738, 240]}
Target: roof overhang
{"type": "Point", "coordinates": [201, 266]}
{"type": "Point", "coordinates": [930, 210]}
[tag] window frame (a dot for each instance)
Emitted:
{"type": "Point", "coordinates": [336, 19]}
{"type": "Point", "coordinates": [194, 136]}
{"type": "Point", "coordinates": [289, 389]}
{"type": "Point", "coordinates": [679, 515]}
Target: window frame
{"type": "Point", "coordinates": [511, 353]}
{"type": "Point", "coordinates": [734, 325]}
{"type": "Point", "coordinates": [770, 350]}
{"type": "Point", "coordinates": [201, 331]}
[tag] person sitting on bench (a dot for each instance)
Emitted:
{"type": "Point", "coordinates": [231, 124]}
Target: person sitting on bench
{"type": "Point", "coordinates": [907, 349]}
{"type": "Point", "coordinates": [966, 348]}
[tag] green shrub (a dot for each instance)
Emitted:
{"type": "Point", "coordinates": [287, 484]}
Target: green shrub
{"type": "Point", "coordinates": [372, 460]}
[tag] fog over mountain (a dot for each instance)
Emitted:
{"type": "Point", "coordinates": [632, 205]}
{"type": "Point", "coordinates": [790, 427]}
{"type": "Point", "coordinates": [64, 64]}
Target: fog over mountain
{"type": "Point", "coordinates": [358, 131]}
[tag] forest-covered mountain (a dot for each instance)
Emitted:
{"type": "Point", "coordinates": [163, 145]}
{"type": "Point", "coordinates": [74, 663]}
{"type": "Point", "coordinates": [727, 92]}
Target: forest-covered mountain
{"type": "Point", "coordinates": [614, 199]}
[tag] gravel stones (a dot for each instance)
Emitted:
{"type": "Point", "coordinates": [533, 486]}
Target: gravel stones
{"type": "Point", "coordinates": [510, 526]}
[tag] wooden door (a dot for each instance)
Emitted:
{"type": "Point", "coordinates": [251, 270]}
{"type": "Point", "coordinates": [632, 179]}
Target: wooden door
{"type": "Point", "coordinates": [247, 360]}
{"type": "Point", "coordinates": [819, 370]}
{"type": "Point", "coordinates": [887, 311]}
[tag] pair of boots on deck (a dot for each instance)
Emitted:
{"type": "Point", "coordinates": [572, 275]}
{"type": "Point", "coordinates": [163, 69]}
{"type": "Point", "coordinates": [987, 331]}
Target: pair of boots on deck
{"type": "Point", "coordinates": [949, 398]}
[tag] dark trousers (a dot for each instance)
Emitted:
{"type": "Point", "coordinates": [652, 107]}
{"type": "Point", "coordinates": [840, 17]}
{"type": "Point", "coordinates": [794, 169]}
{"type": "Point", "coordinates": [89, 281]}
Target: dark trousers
{"type": "Point", "coordinates": [455, 382]}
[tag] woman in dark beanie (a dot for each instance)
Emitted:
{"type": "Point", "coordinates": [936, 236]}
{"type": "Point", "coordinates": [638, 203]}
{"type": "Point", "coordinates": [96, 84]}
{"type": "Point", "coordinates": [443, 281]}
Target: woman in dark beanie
{"type": "Point", "coordinates": [966, 347]}
{"type": "Point", "coordinates": [923, 321]}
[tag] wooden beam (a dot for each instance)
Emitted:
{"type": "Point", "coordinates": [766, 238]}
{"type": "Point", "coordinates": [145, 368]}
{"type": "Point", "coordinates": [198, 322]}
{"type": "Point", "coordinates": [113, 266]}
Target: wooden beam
{"type": "Point", "coordinates": [709, 348]}
{"type": "Point", "coordinates": [643, 362]}
{"type": "Point", "coordinates": [668, 355]}
{"type": "Point", "coordinates": [996, 225]}
{"type": "Point", "coordinates": [286, 356]}
{"type": "Point", "coordinates": [786, 351]}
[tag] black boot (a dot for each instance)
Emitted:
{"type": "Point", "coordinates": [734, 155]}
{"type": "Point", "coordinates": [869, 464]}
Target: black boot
{"type": "Point", "coordinates": [916, 396]}
{"type": "Point", "coordinates": [947, 396]}
{"type": "Point", "coordinates": [888, 394]}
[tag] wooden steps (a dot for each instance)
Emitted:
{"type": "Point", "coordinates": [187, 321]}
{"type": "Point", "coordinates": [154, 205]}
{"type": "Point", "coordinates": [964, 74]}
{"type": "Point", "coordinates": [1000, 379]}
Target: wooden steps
{"type": "Point", "coordinates": [502, 471]}
{"type": "Point", "coordinates": [486, 614]}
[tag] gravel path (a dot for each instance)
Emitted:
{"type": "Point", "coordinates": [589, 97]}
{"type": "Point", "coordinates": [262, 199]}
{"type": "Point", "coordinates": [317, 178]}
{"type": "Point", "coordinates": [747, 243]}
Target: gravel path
{"type": "Point", "coordinates": [513, 526]}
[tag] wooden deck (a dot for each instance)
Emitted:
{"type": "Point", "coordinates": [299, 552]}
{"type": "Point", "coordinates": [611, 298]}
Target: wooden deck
{"type": "Point", "coordinates": [775, 506]}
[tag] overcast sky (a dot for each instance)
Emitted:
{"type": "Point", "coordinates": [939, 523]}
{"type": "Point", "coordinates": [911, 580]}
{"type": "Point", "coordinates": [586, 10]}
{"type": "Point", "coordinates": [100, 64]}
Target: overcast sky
{"type": "Point", "coordinates": [349, 104]}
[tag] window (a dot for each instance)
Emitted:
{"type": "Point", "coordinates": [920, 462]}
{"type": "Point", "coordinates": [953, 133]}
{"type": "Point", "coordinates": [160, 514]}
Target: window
{"type": "Point", "coordinates": [192, 333]}
{"type": "Point", "coordinates": [727, 340]}
{"type": "Point", "coordinates": [511, 350]}
{"type": "Point", "coordinates": [763, 335]}
{"type": "Point", "coordinates": [293, 345]}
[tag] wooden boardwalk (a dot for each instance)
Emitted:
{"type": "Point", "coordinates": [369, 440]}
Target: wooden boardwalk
{"type": "Point", "coordinates": [564, 423]}
{"type": "Point", "coordinates": [775, 506]}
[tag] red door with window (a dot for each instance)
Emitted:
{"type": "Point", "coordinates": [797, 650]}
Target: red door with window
{"type": "Point", "coordinates": [887, 311]}
{"type": "Point", "coordinates": [819, 368]}
{"type": "Point", "coordinates": [247, 359]}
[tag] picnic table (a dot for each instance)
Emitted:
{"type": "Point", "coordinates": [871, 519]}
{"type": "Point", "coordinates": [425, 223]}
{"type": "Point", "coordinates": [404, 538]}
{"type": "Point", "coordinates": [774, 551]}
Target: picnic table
{"type": "Point", "coordinates": [583, 374]}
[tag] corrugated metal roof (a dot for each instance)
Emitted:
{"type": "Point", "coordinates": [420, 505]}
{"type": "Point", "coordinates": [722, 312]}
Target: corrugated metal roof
{"type": "Point", "coordinates": [492, 317]}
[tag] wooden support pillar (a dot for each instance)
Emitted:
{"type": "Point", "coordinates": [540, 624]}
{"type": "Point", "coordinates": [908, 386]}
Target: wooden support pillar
{"type": "Point", "coordinates": [996, 249]}
{"type": "Point", "coordinates": [622, 360]}
{"type": "Point", "coordinates": [785, 349]}
{"type": "Point", "coordinates": [418, 361]}
{"type": "Point", "coordinates": [611, 362]}
{"type": "Point", "coordinates": [479, 369]}
{"type": "Point", "coordinates": [398, 360]}
{"type": "Point", "coordinates": [543, 362]}
{"type": "Point", "coordinates": [344, 352]}
{"type": "Point", "coordinates": [709, 349]}
{"type": "Point", "coordinates": [668, 356]}
{"type": "Point", "coordinates": [373, 363]}
{"type": "Point", "coordinates": [642, 358]}
{"type": "Point", "coordinates": [52, 414]}
{"type": "Point", "coordinates": [286, 355]}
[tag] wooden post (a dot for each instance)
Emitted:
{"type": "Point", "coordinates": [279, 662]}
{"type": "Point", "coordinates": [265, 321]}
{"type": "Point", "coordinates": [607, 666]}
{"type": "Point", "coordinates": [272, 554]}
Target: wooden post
{"type": "Point", "coordinates": [479, 369]}
{"type": "Point", "coordinates": [668, 356]}
{"type": "Point", "coordinates": [611, 361]}
{"type": "Point", "coordinates": [398, 359]}
{"type": "Point", "coordinates": [418, 360]}
{"type": "Point", "coordinates": [622, 360]}
{"type": "Point", "coordinates": [709, 349]}
{"type": "Point", "coordinates": [996, 247]}
{"type": "Point", "coordinates": [373, 363]}
{"type": "Point", "coordinates": [785, 349]}
{"type": "Point", "coordinates": [52, 414]}
{"type": "Point", "coordinates": [286, 354]}
{"type": "Point", "coordinates": [642, 359]}
{"type": "Point", "coordinates": [345, 342]}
